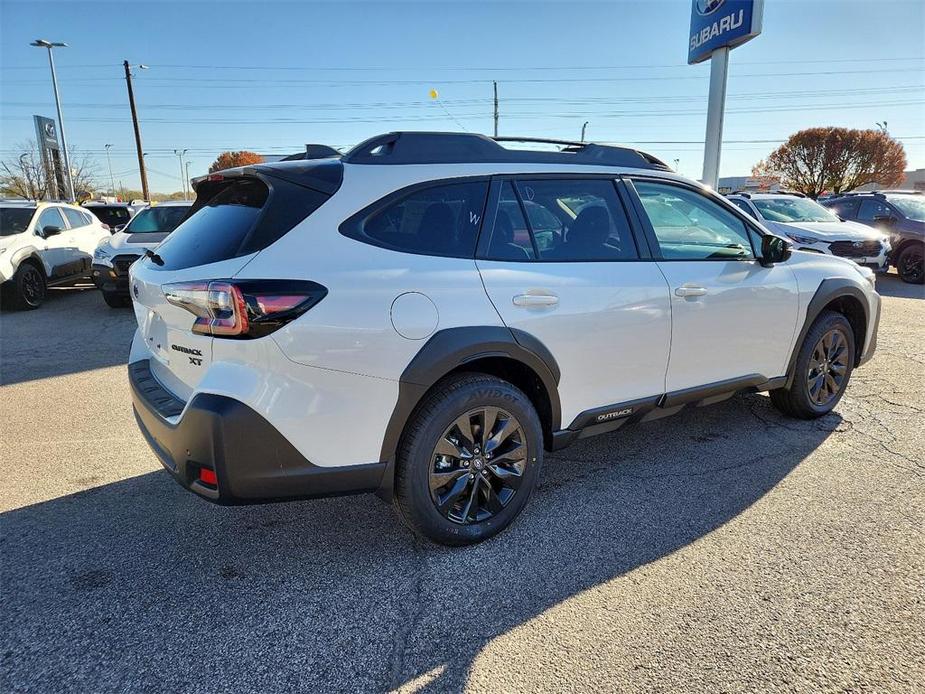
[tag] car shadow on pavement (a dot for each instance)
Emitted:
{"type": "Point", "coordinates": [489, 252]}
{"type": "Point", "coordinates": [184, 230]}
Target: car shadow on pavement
{"type": "Point", "coordinates": [73, 331]}
{"type": "Point", "coordinates": [891, 285]}
{"type": "Point", "coordinates": [139, 585]}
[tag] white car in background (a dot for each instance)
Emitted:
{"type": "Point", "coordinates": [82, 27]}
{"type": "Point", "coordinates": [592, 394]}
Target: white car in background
{"type": "Point", "coordinates": [813, 228]}
{"type": "Point", "coordinates": [44, 245]}
{"type": "Point", "coordinates": [144, 232]}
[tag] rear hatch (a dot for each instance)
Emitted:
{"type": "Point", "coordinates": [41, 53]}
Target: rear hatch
{"type": "Point", "coordinates": [236, 215]}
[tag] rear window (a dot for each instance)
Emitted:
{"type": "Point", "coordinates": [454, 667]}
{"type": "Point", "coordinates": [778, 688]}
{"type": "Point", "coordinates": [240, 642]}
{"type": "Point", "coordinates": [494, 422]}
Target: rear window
{"type": "Point", "coordinates": [236, 217]}
{"type": "Point", "coordinates": [111, 216]}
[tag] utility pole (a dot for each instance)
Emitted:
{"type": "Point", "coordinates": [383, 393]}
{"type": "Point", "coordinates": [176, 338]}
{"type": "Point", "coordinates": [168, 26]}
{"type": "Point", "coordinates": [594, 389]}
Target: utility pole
{"type": "Point", "coordinates": [585, 125]}
{"type": "Point", "coordinates": [495, 85]}
{"type": "Point", "coordinates": [112, 181]}
{"type": "Point", "coordinates": [131, 103]}
{"type": "Point", "coordinates": [187, 179]}
{"type": "Point", "coordinates": [180, 154]}
{"type": "Point", "coordinates": [50, 45]}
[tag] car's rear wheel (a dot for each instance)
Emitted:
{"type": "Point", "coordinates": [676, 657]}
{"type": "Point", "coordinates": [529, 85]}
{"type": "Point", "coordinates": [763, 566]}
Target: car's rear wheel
{"type": "Point", "coordinates": [28, 288]}
{"type": "Point", "coordinates": [469, 460]}
{"type": "Point", "coordinates": [822, 369]}
{"type": "Point", "coordinates": [911, 264]}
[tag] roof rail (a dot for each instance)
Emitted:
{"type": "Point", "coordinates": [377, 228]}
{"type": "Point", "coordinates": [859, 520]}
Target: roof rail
{"type": "Point", "coordinates": [898, 191]}
{"type": "Point", "coordinates": [743, 193]}
{"type": "Point", "coordinates": [472, 148]}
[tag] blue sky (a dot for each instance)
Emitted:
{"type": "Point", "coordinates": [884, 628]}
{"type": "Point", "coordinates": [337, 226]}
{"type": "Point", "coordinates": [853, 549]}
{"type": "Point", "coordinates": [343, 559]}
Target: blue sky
{"type": "Point", "coordinates": [271, 76]}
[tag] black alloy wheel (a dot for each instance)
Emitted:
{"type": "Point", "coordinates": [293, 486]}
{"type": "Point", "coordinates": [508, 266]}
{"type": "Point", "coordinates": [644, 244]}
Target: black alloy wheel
{"type": "Point", "coordinates": [828, 367]}
{"type": "Point", "coordinates": [911, 265]}
{"type": "Point", "coordinates": [478, 465]}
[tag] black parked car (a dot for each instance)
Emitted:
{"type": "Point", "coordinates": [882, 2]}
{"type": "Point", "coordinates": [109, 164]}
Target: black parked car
{"type": "Point", "coordinates": [900, 214]}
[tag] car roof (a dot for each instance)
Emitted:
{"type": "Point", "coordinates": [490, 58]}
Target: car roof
{"type": "Point", "coordinates": [100, 203]}
{"type": "Point", "coordinates": [173, 203]}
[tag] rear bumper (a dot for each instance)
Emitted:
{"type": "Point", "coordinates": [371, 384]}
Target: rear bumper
{"type": "Point", "coordinates": [253, 462]}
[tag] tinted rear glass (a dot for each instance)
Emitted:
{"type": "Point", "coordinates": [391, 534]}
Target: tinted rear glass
{"type": "Point", "coordinates": [111, 216]}
{"type": "Point", "coordinates": [217, 229]}
{"type": "Point", "coordinates": [237, 217]}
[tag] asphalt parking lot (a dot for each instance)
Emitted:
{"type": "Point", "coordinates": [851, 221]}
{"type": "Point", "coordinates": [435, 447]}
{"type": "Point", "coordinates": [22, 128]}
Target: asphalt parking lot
{"type": "Point", "coordinates": [725, 549]}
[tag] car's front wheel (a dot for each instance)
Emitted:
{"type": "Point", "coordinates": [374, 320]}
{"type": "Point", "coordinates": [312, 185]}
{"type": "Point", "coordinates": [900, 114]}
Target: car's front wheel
{"type": "Point", "coordinates": [911, 264]}
{"type": "Point", "coordinates": [822, 369]}
{"type": "Point", "coordinates": [469, 460]}
{"type": "Point", "coordinates": [115, 300]}
{"type": "Point", "coordinates": [28, 287]}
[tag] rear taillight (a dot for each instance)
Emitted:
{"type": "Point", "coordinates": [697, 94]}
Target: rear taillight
{"type": "Point", "coordinates": [243, 309]}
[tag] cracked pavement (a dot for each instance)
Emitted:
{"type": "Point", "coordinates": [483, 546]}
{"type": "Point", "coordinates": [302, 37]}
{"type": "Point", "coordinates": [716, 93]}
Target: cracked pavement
{"type": "Point", "coordinates": [723, 549]}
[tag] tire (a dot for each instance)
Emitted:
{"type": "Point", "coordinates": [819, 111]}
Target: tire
{"type": "Point", "coordinates": [910, 264]}
{"type": "Point", "coordinates": [817, 384]}
{"type": "Point", "coordinates": [114, 300]}
{"type": "Point", "coordinates": [28, 287]}
{"type": "Point", "coordinates": [481, 496]}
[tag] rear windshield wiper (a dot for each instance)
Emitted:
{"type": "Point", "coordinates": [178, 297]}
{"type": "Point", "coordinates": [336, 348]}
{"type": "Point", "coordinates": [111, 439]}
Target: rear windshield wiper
{"type": "Point", "coordinates": [155, 258]}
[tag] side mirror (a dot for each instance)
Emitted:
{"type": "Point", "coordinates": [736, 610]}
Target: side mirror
{"type": "Point", "coordinates": [50, 230]}
{"type": "Point", "coordinates": [774, 249]}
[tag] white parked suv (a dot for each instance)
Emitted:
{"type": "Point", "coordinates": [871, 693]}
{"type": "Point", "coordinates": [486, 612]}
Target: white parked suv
{"type": "Point", "coordinates": [113, 256]}
{"type": "Point", "coordinates": [42, 245]}
{"type": "Point", "coordinates": [426, 315]}
{"type": "Point", "coordinates": [811, 227]}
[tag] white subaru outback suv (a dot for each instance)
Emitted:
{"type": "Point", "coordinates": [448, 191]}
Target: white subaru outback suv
{"type": "Point", "coordinates": [426, 315]}
{"type": "Point", "coordinates": [811, 227]}
{"type": "Point", "coordinates": [42, 245]}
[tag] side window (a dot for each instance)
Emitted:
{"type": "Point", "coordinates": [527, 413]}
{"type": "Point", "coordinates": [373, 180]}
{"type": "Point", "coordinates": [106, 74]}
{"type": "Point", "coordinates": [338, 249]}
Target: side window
{"type": "Point", "coordinates": [74, 218]}
{"type": "Point", "coordinates": [440, 220]}
{"type": "Point", "coordinates": [871, 209]}
{"type": "Point", "coordinates": [690, 226]}
{"type": "Point", "coordinates": [577, 220]}
{"type": "Point", "coordinates": [846, 209]}
{"type": "Point", "coordinates": [742, 205]}
{"type": "Point", "coordinates": [510, 236]}
{"type": "Point", "coordinates": [51, 217]}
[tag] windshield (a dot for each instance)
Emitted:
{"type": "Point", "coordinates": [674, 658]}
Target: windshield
{"type": "Point", "coordinates": [792, 210]}
{"type": "Point", "coordinates": [110, 216]}
{"type": "Point", "coordinates": [15, 220]}
{"type": "Point", "coordinates": [912, 207]}
{"type": "Point", "coordinates": [152, 220]}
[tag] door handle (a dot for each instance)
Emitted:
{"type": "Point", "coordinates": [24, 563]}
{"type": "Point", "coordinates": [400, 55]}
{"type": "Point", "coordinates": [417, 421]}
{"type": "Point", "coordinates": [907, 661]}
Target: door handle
{"type": "Point", "coordinates": [536, 300]}
{"type": "Point", "coordinates": [690, 291]}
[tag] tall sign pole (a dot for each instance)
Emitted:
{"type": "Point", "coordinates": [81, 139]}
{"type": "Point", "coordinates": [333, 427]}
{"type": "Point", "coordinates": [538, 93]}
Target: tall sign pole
{"type": "Point", "coordinates": [718, 26]}
{"type": "Point", "coordinates": [716, 110]}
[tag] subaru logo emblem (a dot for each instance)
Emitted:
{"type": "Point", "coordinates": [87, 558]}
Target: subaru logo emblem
{"type": "Point", "coordinates": [858, 244]}
{"type": "Point", "coordinates": [135, 290]}
{"type": "Point", "coordinates": [705, 7]}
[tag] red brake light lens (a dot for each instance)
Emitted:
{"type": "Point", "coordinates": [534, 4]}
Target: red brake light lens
{"type": "Point", "coordinates": [245, 309]}
{"type": "Point", "coordinates": [207, 476]}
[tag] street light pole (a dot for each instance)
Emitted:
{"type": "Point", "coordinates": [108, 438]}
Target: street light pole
{"type": "Point", "coordinates": [180, 154]}
{"type": "Point", "coordinates": [131, 103]}
{"type": "Point", "coordinates": [186, 180]}
{"type": "Point", "coordinates": [584, 125]}
{"type": "Point", "coordinates": [112, 181]}
{"type": "Point", "coordinates": [50, 45]}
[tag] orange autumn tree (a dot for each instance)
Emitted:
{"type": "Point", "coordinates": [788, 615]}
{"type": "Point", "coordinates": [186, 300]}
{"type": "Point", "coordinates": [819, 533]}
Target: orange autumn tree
{"type": "Point", "coordinates": [229, 160]}
{"type": "Point", "coordinates": [817, 160]}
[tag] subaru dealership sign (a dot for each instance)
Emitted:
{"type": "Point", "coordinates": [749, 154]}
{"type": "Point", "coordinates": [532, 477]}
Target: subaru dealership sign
{"type": "Point", "coordinates": [722, 24]}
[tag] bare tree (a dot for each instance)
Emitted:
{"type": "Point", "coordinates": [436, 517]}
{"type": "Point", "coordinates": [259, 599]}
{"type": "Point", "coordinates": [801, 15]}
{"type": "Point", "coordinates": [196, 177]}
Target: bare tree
{"type": "Point", "coordinates": [24, 175]}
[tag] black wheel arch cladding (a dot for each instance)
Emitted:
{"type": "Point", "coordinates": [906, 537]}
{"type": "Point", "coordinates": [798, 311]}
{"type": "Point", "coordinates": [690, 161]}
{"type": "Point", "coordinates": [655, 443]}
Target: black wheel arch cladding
{"type": "Point", "coordinates": [842, 295]}
{"type": "Point", "coordinates": [451, 350]}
